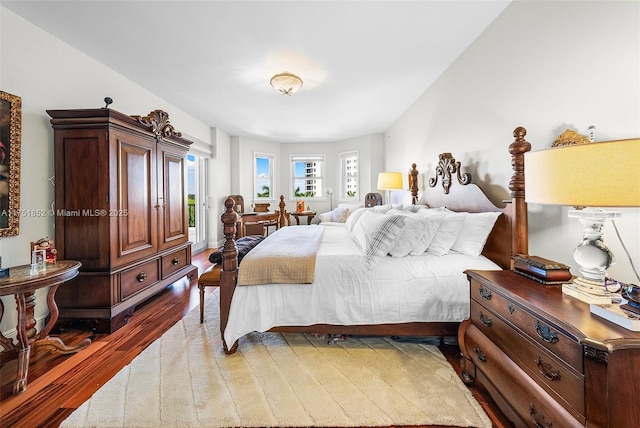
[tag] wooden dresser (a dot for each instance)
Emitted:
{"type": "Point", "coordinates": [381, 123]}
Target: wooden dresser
{"type": "Point", "coordinates": [545, 359]}
{"type": "Point", "coordinates": [121, 210]}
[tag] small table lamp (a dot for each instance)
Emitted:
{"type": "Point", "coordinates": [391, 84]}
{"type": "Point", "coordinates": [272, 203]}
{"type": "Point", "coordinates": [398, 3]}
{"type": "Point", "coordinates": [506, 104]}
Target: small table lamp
{"type": "Point", "coordinates": [389, 181]}
{"type": "Point", "coordinates": [587, 175]}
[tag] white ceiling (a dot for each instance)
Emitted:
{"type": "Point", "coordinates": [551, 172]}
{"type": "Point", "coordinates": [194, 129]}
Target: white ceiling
{"type": "Point", "coordinates": [363, 63]}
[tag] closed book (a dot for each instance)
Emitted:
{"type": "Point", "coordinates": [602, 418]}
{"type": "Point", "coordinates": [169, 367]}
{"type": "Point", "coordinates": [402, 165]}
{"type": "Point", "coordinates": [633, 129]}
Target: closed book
{"type": "Point", "coordinates": [537, 279]}
{"type": "Point", "coordinates": [616, 314]}
{"type": "Point", "coordinates": [578, 293]}
{"type": "Point", "coordinates": [550, 275]}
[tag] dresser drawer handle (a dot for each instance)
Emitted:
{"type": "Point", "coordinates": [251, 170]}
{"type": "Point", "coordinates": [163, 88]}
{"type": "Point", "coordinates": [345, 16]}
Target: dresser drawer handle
{"type": "Point", "coordinates": [546, 370]}
{"type": "Point", "coordinates": [546, 334]}
{"type": "Point", "coordinates": [481, 357]}
{"type": "Point", "coordinates": [511, 308]}
{"type": "Point", "coordinates": [538, 418]}
{"type": "Point", "coordinates": [175, 261]}
{"type": "Point", "coordinates": [141, 276]}
{"type": "Point", "coordinates": [485, 320]}
{"type": "Point", "coordinates": [485, 294]}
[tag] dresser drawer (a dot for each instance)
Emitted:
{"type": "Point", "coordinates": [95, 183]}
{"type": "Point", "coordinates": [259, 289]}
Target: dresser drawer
{"type": "Point", "coordinates": [562, 382]}
{"type": "Point", "coordinates": [538, 330]}
{"type": "Point", "coordinates": [173, 262]}
{"type": "Point", "coordinates": [139, 277]}
{"type": "Point", "coordinates": [525, 397]}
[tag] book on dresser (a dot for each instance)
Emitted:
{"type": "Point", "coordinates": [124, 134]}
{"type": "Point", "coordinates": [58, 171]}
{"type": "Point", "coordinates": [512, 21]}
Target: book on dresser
{"type": "Point", "coordinates": [542, 270]}
{"type": "Point", "coordinates": [617, 314]}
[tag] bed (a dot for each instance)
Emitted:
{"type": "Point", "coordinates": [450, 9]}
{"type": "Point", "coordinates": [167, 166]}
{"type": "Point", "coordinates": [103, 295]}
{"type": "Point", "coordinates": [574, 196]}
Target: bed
{"type": "Point", "coordinates": [355, 291]}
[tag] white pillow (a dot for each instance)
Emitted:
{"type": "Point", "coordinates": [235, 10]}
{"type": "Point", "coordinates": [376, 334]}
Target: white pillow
{"type": "Point", "coordinates": [430, 220]}
{"type": "Point", "coordinates": [475, 231]}
{"type": "Point", "coordinates": [353, 218]}
{"type": "Point", "coordinates": [381, 208]}
{"type": "Point", "coordinates": [340, 215]}
{"type": "Point", "coordinates": [376, 234]}
{"type": "Point", "coordinates": [326, 217]}
{"type": "Point", "coordinates": [410, 235]}
{"type": "Point", "coordinates": [447, 233]}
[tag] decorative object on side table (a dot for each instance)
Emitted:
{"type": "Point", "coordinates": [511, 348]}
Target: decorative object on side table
{"type": "Point", "coordinates": [544, 271]}
{"type": "Point", "coordinates": [603, 174]}
{"type": "Point", "coordinates": [46, 244]}
{"type": "Point", "coordinates": [3, 272]}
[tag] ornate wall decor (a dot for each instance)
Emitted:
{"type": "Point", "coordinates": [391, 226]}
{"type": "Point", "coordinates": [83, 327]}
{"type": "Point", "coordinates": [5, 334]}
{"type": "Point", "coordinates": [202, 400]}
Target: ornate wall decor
{"type": "Point", "coordinates": [570, 137]}
{"type": "Point", "coordinates": [447, 166]}
{"type": "Point", "coordinates": [10, 140]}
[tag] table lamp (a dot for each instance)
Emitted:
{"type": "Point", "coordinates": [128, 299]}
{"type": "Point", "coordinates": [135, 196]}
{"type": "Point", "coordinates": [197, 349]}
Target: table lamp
{"type": "Point", "coordinates": [388, 181]}
{"type": "Point", "coordinates": [587, 176]}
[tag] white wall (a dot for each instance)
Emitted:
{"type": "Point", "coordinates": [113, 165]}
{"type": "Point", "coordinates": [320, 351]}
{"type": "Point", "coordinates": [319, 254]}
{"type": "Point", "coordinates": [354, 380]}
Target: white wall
{"type": "Point", "coordinates": [547, 66]}
{"type": "Point", "coordinates": [49, 74]}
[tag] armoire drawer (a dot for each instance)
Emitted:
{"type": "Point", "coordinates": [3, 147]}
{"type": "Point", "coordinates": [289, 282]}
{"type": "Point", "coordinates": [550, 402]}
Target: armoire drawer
{"type": "Point", "coordinates": [526, 398]}
{"type": "Point", "coordinates": [538, 330]}
{"type": "Point", "coordinates": [561, 381]}
{"type": "Point", "coordinates": [139, 277]}
{"type": "Point", "coordinates": [173, 262]}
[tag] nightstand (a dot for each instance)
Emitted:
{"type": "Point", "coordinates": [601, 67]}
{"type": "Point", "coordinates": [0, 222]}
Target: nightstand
{"type": "Point", "coordinates": [544, 358]}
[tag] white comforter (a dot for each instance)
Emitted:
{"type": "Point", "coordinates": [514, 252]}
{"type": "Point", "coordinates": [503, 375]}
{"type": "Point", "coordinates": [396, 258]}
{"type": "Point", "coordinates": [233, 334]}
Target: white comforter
{"type": "Point", "coordinates": [347, 291]}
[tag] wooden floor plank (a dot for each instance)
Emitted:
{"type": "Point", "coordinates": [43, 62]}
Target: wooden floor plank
{"type": "Point", "coordinates": [59, 384]}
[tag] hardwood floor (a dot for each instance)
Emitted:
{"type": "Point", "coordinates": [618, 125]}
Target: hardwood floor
{"type": "Point", "coordinates": [59, 384]}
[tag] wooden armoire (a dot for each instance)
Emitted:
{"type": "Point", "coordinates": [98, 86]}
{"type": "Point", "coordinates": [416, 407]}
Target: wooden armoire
{"type": "Point", "coordinates": [121, 210]}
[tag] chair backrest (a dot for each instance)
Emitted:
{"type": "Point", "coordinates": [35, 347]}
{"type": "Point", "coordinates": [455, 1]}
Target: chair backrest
{"type": "Point", "coordinates": [372, 199]}
{"type": "Point", "coordinates": [239, 206]}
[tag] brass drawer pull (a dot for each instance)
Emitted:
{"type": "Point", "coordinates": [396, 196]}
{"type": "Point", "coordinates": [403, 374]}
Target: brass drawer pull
{"type": "Point", "coordinates": [546, 370]}
{"type": "Point", "coordinates": [485, 320]}
{"type": "Point", "coordinates": [481, 357]}
{"type": "Point", "coordinates": [546, 334]}
{"type": "Point", "coordinates": [485, 294]}
{"type": "Point", "coordinates": [175, 261]}
{"type": "Point", "coordinates": [538, 418]}
{"type": "Point", "coordinates": [141, 276]}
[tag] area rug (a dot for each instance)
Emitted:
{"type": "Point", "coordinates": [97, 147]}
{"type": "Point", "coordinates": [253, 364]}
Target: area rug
{"type": "Point", "coordinates": [184, 379]}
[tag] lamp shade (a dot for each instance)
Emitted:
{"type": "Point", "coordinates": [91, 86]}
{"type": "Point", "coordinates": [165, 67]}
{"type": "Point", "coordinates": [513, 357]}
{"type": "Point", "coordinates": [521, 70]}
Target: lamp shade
{"type": "Point", "coordinates": [389, 180]}
{"type": "Point", "coordinates": [603, 174]}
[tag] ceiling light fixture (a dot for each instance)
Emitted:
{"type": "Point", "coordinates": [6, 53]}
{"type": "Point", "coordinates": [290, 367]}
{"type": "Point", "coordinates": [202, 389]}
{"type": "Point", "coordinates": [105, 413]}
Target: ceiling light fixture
{"type": "Point", "coordinates": [286, 83]}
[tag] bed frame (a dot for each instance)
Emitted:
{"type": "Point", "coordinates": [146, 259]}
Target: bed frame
{"type": "Point", "coordinates": [508, 237]}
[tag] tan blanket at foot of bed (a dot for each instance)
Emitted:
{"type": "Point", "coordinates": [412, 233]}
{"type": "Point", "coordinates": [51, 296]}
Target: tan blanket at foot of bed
{"type": "Point", "coordinates": [288, 256]}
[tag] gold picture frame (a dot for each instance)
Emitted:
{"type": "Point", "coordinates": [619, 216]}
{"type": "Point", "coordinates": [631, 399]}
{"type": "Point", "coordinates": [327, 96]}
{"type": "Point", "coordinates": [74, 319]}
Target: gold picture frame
{"type": "Point", "coordinates": [10, 139]}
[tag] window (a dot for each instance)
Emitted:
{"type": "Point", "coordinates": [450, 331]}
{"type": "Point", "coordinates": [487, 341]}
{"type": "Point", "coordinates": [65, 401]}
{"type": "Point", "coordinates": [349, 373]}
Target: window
{"type": "Point", "coordinates": [307, 176]}
{"type": "Point", "coordinates": [263, 176]}
{"type": "Point", "coordinates": [349, 174]}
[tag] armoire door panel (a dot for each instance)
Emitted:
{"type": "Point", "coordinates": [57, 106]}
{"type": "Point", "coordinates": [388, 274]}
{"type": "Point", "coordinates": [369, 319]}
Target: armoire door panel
{"type": "Point", "coordinates": [173, 226]}
{"type": "Point", "coordinates": [136, 209]}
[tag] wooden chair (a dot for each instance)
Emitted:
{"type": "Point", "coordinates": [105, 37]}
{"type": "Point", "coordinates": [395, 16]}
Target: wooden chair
{"type": "Point", "coordinates": [239, 203]}
{"type": "Point", "coordinates": [372, 199]}
{"type": "Point", "coordinates": [209, 278]}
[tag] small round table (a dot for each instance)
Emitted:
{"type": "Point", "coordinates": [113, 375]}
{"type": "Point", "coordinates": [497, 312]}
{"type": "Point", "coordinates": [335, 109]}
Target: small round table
{"type": "Point", "coordinates": [308, 214]}
{"type": "Point", "coordinates": [23, 284]}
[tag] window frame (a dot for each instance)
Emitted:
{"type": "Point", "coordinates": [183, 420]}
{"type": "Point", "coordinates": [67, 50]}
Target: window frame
{"type": "Point", "coordinates": [272, 167]}
{"type": "Point", "coordinates": [344, 178]}
{"type": "Point", "coordinates": [306, 158]}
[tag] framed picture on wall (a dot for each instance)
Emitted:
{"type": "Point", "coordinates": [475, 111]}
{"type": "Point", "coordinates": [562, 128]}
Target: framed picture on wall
{"type": "Point", "coordinates": [10, 138]}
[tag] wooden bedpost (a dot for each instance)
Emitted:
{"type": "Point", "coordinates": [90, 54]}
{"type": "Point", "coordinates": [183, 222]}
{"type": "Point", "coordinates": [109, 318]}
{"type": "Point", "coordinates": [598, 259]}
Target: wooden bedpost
{"type": "Point", "coordinates": [229, 272]}
{"type": "Point", "coordinates": [413, 184]}
{"type": "Point", "coordinates": [282, 214]}
{"type": "Point", "coordinates": [520, 227]}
